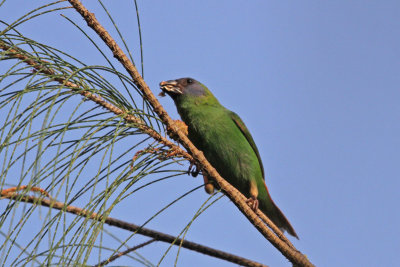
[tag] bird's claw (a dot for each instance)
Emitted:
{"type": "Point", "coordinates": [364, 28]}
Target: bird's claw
{"type": "Point", "coordinates": [194, 171]}
{"type": "Point", "coordinates": [253, 203]}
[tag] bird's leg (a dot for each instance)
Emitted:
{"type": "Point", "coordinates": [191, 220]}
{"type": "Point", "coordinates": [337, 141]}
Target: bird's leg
{"type": "Point", "coordinates": [208, 186]}
{"type": "Point", "coordinates": [252, 201]}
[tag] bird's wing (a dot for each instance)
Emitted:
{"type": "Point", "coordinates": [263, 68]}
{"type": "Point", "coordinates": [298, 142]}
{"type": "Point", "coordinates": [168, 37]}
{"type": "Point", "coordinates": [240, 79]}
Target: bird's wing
{"type": "Point", "coordinates": [238, 121]}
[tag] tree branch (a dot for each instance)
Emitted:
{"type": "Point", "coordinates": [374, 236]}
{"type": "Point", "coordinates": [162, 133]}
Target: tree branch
{"type": "Point", "coordinates": [129, 250]}
{"type": "Point", "coordinates": [42, 68]}
{"type": "Point", "coordinates": [177, 151]}
{"type": "Point", "coordinates": [159, 236]}
{"type": "Point", "coordinates": [237, 198]}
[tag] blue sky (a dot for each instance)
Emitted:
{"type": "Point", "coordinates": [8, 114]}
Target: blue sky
{"type": "Point", "coordinates": [317, 84]}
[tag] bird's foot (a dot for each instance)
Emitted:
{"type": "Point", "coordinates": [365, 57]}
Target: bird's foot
{"type": "Point", "coordinates": [193, 170]}
{"type": "Point", "coordinates": [253, 203]}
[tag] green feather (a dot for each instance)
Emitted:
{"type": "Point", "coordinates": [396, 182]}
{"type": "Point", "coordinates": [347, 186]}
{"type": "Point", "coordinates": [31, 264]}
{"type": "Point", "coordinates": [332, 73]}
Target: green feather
{"type": "Point", "coordinates": [225, 141]}
{"type": "Point", "coordinates": [238, 121]}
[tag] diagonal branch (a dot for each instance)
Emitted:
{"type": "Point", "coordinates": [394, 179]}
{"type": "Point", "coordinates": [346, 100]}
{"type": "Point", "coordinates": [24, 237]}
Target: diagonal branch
{"type": "Point", "coordinates": [40, 67]}
{"type": "Point", "coordinates": [237, 198]}
{"type": "Point", "coordinates": [158, 236]}
{"type": "Point", "coordinates": [11, 192]}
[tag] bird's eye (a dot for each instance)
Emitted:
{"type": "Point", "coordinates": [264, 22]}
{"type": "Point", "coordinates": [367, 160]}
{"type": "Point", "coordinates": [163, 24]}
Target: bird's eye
{"type": "Point", "coordinates": [189, 81]}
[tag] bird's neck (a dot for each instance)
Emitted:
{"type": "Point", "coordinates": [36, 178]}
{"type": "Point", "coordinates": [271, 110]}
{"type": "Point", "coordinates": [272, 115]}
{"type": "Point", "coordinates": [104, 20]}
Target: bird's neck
{"type": "Point", "coordinates": [188, 102]}
{"type": "Point", "coordinates": [192, 108]}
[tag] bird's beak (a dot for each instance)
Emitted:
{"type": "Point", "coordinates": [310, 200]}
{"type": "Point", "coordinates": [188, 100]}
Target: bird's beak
{"type": "Point", "coordinates": [171, 87]}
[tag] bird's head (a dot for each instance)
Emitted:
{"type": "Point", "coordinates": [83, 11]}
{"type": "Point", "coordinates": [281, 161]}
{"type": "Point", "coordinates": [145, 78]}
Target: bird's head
{"type": "Point", "coordinates": [183, 87]}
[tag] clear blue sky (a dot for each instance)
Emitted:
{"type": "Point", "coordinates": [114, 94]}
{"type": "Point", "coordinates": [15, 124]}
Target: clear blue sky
{"type": "Point", "coordinates": [317, 84]}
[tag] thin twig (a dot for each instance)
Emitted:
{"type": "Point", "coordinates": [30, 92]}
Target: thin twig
{"type": "Point", "coordinates": [159, 236]}
{"type": "Point", "coordinates": [292, 254]}
{"type": "Point", "coordinates": [129, 250]}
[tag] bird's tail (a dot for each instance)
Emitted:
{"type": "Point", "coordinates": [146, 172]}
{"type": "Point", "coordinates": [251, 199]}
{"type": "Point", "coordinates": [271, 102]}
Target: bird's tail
{"type": "Point", "coordinates": [276, 215]}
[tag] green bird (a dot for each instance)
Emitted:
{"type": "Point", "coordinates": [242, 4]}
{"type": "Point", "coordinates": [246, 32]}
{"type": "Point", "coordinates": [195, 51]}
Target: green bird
{"type": "Point", "coordinates": [226, 143]}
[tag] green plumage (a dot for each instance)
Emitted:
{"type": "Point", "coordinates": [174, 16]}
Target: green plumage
{"type": "Point", "coordinates": [225, 142]}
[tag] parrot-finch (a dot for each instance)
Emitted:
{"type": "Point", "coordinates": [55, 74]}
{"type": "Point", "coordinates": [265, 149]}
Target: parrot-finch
{"type": "Point", "coordinates": [226, 143]}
